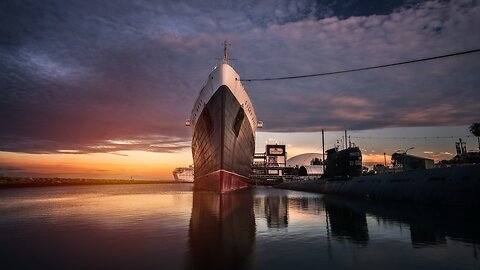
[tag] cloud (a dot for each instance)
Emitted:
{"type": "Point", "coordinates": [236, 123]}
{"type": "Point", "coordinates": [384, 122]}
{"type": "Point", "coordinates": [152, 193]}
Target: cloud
{"type": "Point", "coordinates": [79, 75]}
{"type": "Point", "coordinates": [432, 93]}
{"type": "Point", "coordinates": [9, 169]}
{"type": "Point", "coordinates": [161, 144]}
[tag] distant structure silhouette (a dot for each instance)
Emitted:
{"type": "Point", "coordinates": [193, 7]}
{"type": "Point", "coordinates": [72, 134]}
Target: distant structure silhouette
{"type": "Point", "coordinates": [475, 130]}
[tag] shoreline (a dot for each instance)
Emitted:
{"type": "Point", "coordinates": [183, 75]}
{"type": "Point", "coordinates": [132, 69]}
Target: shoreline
{"type": "Point", "coordinates": [20, 182]}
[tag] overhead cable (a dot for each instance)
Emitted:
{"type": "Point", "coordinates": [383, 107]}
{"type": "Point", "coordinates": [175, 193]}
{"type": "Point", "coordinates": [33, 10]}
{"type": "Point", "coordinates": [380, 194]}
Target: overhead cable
{"type": "Point", "coordinates": [412, 138]}
{"type": "Point", "coordinates": [363, 68]}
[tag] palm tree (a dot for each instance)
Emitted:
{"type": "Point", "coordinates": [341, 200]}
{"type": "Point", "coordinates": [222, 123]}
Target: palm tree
{"type": "Point", "coordinates": [475, 130]}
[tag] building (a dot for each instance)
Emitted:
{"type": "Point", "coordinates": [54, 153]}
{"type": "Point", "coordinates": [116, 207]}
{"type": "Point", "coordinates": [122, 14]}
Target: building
{"type": "Point", "coordinates": [312, 170]}
{"type": "Point", "coordinates": [271, 165]}
{"type": "Point", "coordinates": [410, 162]}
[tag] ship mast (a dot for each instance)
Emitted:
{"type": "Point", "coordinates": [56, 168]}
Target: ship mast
{"type": "Point", "coordinates": [225, 56]}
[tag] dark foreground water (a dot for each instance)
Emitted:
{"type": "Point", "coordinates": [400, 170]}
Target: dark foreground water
{"type": "Point", "coordinates": [170, 227]}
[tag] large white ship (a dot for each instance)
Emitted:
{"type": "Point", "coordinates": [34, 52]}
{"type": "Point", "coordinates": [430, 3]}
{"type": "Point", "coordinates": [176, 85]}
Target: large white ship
{"type": "Point", "coordinates": [183, 174]}
{"type": "Point", "coordinates": [224, 123]}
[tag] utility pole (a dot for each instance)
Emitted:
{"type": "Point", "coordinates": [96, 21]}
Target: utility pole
{"type": "Point", "coordinates": [323, 150]}
{"type": "Point", "coordinates": [345, 139]}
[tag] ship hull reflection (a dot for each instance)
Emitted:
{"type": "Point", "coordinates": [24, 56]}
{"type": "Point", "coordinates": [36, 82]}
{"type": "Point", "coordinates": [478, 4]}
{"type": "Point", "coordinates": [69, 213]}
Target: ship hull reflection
{"type": "Point", "coordinates": [222, 230]}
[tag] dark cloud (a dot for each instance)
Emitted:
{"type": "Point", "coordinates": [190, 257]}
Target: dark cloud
{"type": "Point", "coordinates": [9, 169]}
{"type": "Point", "coordinates": [105, 76]}
{"type": "Point", "coordinates": [163, 144]}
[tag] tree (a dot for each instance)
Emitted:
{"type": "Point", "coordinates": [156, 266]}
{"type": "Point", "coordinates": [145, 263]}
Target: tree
{"type": "Point", "coordinates": [475, 130]}
{"type": "Point", "coordinates": [315, 161]}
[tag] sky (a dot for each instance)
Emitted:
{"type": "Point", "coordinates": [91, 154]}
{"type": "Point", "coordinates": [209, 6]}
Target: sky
{"type": "Point", "coordinates": [102, 88]}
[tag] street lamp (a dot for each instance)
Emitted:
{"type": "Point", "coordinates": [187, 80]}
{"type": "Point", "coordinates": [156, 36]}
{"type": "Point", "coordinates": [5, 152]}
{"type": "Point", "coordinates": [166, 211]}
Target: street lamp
{"type": "Point", "coordinates": [401, 151]}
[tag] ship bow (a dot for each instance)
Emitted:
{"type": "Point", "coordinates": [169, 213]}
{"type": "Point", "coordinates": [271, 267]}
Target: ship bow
{"type": "Point", "coordinates": [223, 144]}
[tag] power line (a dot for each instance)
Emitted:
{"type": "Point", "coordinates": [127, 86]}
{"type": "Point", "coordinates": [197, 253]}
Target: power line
{"type": "Point", "coordinates": [364, 68]}
{"type": "Point", "coordinates": [412, 138]}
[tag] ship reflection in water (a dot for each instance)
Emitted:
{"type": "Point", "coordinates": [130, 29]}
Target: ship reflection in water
{"type": "Point", "coordinates": [343, 222]}
{"type": "Point", "coordinates": [278, 229]}
{"type": "Point", "coordinates": [222, 230]}
{"type": "Point", "coordinates": [172, 227]}
{"type": "Point", "coordinates": [426, 226]}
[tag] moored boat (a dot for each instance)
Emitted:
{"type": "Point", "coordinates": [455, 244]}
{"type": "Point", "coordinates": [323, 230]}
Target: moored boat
{"type": "Point", "coordinates": [224, 123]}
{"type": "Point", "coordinates": [183, 174]}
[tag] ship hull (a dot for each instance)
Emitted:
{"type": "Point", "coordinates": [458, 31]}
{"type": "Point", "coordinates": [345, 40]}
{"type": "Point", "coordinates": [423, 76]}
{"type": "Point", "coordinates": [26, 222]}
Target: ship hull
{"type": "Point", "coordinates": [221, 181]}
{"type": "Point", "coordinates": [223, 144]}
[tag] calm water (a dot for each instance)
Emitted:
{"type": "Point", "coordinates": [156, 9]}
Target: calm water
{"type": "Point", "coordinates": [170, 227]}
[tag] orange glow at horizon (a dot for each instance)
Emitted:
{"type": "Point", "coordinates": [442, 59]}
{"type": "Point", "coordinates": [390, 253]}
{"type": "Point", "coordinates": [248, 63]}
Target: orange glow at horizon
{"type": "Point", "coordinates": [372, 159]}
{"type": "Point", "coordinates": [123, 164]}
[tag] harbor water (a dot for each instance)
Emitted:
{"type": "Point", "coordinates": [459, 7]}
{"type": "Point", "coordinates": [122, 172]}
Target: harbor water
{"type": "Point", "coordinates": [168, 226]}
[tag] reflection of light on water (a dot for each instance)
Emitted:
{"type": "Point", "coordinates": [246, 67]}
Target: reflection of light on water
{"type": "Point", "coordinates": [123, 210]}
{"type": "Point", "coordinates": [26, 202]}
{"type": "Point", "coordinates": [108, 209]}
{"type": "Point", "coordinates": [381, 229]}
{"type": "Point", "coordinates": [169, 227]}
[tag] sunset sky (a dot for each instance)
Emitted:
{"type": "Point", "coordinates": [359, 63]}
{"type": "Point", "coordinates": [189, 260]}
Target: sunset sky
{"type": "Point", "coordinates": [102, 88]}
